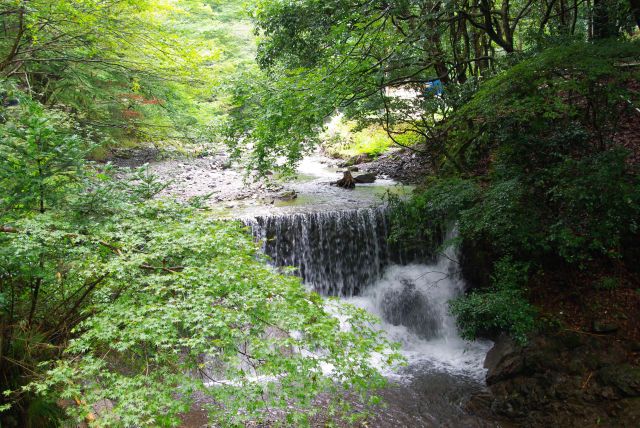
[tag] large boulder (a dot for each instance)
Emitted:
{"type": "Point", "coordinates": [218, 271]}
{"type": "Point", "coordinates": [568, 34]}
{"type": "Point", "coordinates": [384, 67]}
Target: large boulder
{"type": "Point", "coordinates": [568, 379]}
{"type": "Point", "coordinates": [625, 378]}
{"type": "Point", "coordinates": [369, 177]}
{"type": "Point", "coordinates": [409, 307]}
{"type": "Point", "coordinates": [503, 361]}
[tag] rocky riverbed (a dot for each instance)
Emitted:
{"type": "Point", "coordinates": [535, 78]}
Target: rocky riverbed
{"type": "Point", "coordinates": [227, 189]}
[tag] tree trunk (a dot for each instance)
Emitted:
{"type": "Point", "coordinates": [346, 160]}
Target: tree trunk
{"type": "Point", "coordinates": [635, 11]}
{"type": "Point", "coordinates": [603, 26]}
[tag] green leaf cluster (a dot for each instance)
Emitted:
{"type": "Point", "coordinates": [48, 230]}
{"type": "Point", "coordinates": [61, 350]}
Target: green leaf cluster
{"type": "Point", "coordinates": [111, 295]}
{"type": "Point", "coordinates": [502, 308]}
{"type": "Point", "coordinates": [546, 178]}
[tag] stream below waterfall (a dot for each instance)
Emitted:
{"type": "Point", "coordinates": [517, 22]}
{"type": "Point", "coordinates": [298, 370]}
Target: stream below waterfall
{"type": "Point", "coordinates": [346, 252]}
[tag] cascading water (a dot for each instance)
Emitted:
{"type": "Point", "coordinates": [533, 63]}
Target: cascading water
{"type": "Point", "coordinates": [348, 254]}
{"type": "Point", "coordinates": [413, 301]}
{"type": "Point", "coordinates": [338, 253]}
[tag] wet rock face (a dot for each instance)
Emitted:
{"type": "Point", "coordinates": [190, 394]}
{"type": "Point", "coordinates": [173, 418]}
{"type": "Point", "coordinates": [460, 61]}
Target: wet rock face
{"type": "Point", "coordinates": [567, 379]}
{"type": "Point", "coordinates": [625, 379]}
{"type": "Point", "coordinates": [409, 307]}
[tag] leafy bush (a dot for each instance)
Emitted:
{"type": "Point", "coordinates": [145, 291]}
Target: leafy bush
{"type": "Point", "coordinates": [504, 307]}
{"type": "Point", "coordinates": [372, 141]}
{"type": "Point", "coordinates": [42, 158]}
{"type": "Point", "coordinates": [423, 219]}
{"type": "Point", "coordinates": [107, 293]}
{"type": "Point", "coordinates": [343, 139]}
{"type": "Point", "coordinates": [545, 180]}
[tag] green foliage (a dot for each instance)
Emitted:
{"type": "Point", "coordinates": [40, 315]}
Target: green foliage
{"type": "Point", "coordinates": [277, 134]}
{"type": "Point", "coordinates": [546, 180]}
{"type": "Point", "coordinates": [607, 283]}
{"type": "Point", "coordinates": [372, 141]}
{"type": "Point", "coordinates": [503, 307]}
{"type": "Point", "coordinates": [111, 294]}
{"type": "Point", "coordinates": [559, 183]}
{"type": "Point", "coordinates": [344, 139]}
{"type": "Point", "coordinates": [503, 217]}
{"type": "Point", "coordinates": [41, 157]}
{"type": "Point", "coordinates": [424, 217]}
{"type": "Point", "coordinates": [137, 70]}
{"type": "Point", "coordinates": [374, 62]}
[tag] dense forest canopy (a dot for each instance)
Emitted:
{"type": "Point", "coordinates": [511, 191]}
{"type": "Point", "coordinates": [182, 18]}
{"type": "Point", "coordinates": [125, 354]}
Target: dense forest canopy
{"type": "Point", "coordinates": [131, 70]}
{"type": "Point", "coordinates": [321, 56]}
{"type": "Point", "coordinates": [522, 110]}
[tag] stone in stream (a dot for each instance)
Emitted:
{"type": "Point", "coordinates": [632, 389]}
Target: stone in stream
{"type": "Point", "coordinates": [287, 195]}
{"type": "Point", "coordinates": [408, 307]}
{"type": "Point", "coordinates": [369, 177]}
{"type": "Point", "coordinates": [348, 181]}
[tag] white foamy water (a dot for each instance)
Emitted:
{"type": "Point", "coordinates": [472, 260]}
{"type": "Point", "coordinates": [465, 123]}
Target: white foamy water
{"type": "Point", "coordinates": [348, 254]}
{"type": "Point", "coordinates": [412, 303]}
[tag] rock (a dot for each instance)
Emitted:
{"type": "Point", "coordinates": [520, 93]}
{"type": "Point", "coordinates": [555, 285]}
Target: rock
{"type": "Point", "coordinates": [409, 307]}
{"type": "Point", "coordinates": [502, 360]}
{"type": "Point", "coordinates": [510, 366]}
{"type": "Point", "coordinates": [287, 195]}
{"type": "Point", "coordinates": [353, 169]}
{"type": "Point", "coordinates": [354, 160]}
{"type": "Point", "coordinates": [630, 411]}
{"type": "Point", "coordinates": [624, 377]}
{"type": "Point", "coordinates": [103, 406]}
{"type": "Point", "coordinates": [563, 379]}
{"type": "Point", "coordinates": [365, 178]}
{"type": "Point", "coordinates": [604, 327]}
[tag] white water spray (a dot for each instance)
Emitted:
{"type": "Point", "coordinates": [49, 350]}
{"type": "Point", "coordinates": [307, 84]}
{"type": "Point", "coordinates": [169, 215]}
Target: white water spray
{"type": "Point", "coordinates": [347, 253]}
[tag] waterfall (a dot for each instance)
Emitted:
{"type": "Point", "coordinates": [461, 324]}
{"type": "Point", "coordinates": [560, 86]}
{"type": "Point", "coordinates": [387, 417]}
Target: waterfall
{"type": "Point", "coordinates": [349, 254]}
{"type": "Point", "coordinates": [338, 253]}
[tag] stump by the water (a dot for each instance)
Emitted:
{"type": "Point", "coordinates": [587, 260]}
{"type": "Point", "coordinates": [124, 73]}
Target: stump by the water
{"type": "Point", "coordinates": [346, 181]}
